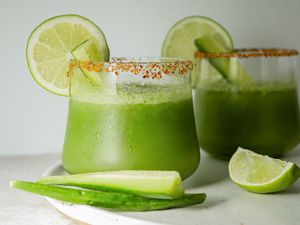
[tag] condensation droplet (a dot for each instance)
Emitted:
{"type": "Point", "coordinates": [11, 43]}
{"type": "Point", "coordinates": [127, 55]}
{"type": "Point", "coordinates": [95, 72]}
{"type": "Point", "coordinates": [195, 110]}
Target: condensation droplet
{"type": "Point", "coordinates": [130, 148]}
{"type": "Point", "coordinates": [98, 135]}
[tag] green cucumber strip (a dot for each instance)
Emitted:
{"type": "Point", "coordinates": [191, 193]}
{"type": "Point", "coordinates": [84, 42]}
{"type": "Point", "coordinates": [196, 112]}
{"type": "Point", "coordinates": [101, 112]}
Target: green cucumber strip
{"type": "Point", "coordinates": [88, 51]}
{"type": "Point", "coordinates": [118, 201]}
{"type": "Point", "coordinates": [230, 68]}
{"type": "Point", "coordinates": [159, 184]}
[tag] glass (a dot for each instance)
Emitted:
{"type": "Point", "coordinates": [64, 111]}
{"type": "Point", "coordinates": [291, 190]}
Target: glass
{"type": "Point", "coordinates": [131, 114]}
{"type": "Point", "coordinates": [262, 116]}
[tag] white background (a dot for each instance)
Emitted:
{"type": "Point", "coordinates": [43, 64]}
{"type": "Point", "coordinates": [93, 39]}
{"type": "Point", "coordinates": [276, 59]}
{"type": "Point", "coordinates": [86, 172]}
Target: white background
{"type": "Point", "coordinates": [32, 121]}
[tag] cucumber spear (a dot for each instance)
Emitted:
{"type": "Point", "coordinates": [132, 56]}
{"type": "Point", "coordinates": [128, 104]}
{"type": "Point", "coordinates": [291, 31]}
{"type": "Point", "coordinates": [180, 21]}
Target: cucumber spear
{"type": "Point", "coordinates": [149, 183]}
{"type": "Point", "coordinates": [112, 200]}
{"type": "Point", "coordinates": [230, 68]}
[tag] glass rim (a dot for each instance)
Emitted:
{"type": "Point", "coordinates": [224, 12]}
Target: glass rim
{"type": "Point", "coordinates": [148, 67]}
{"type": "Point", "coordinates": [148, 59]}
{"type": "Point", "coordinates": [250, 53]}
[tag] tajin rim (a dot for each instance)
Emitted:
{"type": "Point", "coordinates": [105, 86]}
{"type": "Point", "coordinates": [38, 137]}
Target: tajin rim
{"type": "Point", "coordinates": [250, 53]}
{"type": "Point", "coordinates": [148, 67]}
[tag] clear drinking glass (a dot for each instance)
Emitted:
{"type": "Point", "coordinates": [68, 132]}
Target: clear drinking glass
{"type": "Point", "coordinates": [131, 114]}
{"type": "Point", "coordinates": [247, 98]}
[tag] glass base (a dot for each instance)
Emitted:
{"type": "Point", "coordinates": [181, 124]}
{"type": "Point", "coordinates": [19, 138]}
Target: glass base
{"type": "Point", "coordinates": [226, 157]}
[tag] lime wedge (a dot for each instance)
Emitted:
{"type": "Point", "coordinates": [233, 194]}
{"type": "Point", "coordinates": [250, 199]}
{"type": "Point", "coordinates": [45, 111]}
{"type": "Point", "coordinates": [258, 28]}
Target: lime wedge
{"type": "Point", "coordinates": [260, 173]}
{"type": "Point", "coordinates": [179, 41]}
{"type": "Point", "coordinates": [49, 49]}
{"type": "Point", "coordinates": [162, 184]}
{"type": "Point", "coordinates": [89, 51]}
{"type": "Point", "coordinates": [230, 68]}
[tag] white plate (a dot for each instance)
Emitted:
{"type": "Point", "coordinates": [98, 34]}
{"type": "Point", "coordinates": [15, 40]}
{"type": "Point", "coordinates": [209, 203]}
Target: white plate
{"type": "Point", "coordinates": [225, 204]}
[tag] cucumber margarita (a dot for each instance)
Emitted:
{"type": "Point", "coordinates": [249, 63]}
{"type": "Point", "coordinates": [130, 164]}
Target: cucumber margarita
{"type": "Point", "coordinates": [264, 118]}
{"type": "Point", "coordinates": [132, 123]}
{"type": "Point", "coordinates": [241, 98]}
{"type": "Point", "coordinates": [136, 117]}
{"type": "Point", "coordinates": [261, 113]}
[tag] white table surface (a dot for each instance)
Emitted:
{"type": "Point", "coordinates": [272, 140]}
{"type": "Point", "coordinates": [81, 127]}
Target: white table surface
{"type": "Point", "coordinates": [226, 203]}
{"type": "Point", "coordinates": [21, 208]}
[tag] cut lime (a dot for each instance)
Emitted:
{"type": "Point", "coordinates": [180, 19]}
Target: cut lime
{"type": "Point", "coordinates": [49, 49]}
{"type": "Point", "coordinates": [179, 41]}
{"type": "Point", "coordinates": [89, 51]}
{"type": "Point", "coordinates": [149, 183]}
{"type": "Point", "coordinates": [260, 173]}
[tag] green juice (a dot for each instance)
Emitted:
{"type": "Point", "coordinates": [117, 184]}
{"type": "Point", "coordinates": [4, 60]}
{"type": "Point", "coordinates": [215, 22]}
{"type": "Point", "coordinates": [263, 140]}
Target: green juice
{"type": "Point", "coordinates": [132, 131]}
{"type": "Point", "coordinates": [263, 118]}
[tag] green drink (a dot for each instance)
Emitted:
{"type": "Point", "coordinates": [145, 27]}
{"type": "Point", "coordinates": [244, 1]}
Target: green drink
{"type": "Point", "coordinates": [242, 97]}
{"type": "Point", "coordinates": [146, 124]}
{"type": "Point", "coordinates": [265, 119]}
{"type": "Point", "coordinates": [260, 112]}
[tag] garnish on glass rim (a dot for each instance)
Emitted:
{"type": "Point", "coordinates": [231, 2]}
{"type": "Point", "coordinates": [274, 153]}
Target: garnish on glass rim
{"type": "Point", "coordinates": [153, 70]}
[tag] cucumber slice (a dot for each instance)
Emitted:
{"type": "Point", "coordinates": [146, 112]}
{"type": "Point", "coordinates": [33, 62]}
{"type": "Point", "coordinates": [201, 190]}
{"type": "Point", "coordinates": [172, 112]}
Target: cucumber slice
{"type": "Point", "coordinates": [162, 184]}
{"type": "Point", "coordinates": [119, 201]}
{"type": "Point", "coordinates": [230, 68]}
{"type": "Point", "coordinates": [89, 50]}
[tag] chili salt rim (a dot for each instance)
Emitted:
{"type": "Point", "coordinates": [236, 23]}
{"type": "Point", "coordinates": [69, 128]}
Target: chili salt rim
{"type": "Point", "coordinates": [148, 67]}
{"type": "Point", "coordinates": [250, 53]}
